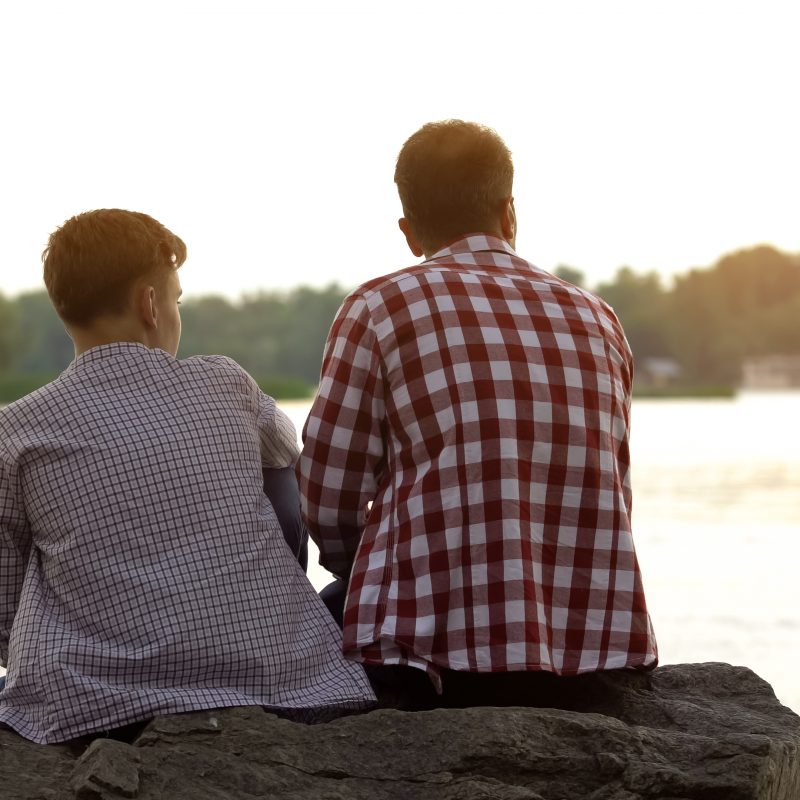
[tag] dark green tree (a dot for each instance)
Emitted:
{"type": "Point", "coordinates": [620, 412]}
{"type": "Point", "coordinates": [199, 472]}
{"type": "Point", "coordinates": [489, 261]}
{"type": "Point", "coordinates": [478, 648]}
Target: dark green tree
{"type": "Point", "coordinates": [269, 333]}
{"type": "Point", "coordinates": [43, 345]}
{"type": "Point", "coordinates": [641, 303]}
{"type": "Point", "coordinates": [745, 305]}
{"type": "Point", "coordinates": [312, 312]}
{"type": "Point", "coordinates": [8, 331]}
{"type": "Point", "coordinates": [570, 275]}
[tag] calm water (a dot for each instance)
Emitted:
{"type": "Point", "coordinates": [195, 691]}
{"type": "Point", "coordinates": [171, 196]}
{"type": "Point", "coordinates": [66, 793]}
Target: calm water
{"type": "Point", "coordinates": [717, 529]}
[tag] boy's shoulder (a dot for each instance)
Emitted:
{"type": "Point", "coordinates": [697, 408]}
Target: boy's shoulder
{"type": "Point", "coordinates": [213, 363]}
{"type": "Point", "coordinates": [32, 415]}
{"type": "Point", "coordinates": [49, 406]}
{"type": "Point", "coordinates": [221, 368]}
{"type": "Point", "coordinates": [30, 404]}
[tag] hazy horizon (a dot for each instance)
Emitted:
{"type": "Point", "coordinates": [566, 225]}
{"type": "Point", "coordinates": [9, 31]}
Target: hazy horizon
{"type": "Point", "coordinates": [666, 277]}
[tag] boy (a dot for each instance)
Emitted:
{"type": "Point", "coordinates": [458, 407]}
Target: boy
{"type": "Point", "coordinates": [142, 568]}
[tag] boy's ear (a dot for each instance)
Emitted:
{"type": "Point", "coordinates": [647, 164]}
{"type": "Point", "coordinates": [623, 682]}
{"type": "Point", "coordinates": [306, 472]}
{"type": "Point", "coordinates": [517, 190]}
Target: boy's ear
{"type": "Point", "coordinates": [145, 305]}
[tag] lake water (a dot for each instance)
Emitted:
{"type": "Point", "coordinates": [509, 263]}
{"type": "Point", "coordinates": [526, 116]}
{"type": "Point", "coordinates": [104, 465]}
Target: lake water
{"type": "Point", "coordinates": [717, 527]}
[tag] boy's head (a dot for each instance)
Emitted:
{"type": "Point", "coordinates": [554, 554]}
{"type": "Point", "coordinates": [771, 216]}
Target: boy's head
{"type": "Point", "coordinates": [97, 264]}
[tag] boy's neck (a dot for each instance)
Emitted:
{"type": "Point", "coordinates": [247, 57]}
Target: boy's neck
{"type": "Point", "coordinates": [107, 330]}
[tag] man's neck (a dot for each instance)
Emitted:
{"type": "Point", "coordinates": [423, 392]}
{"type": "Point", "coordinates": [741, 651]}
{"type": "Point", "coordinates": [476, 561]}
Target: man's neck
{"type": "Point", "coordinates": [447, 243]}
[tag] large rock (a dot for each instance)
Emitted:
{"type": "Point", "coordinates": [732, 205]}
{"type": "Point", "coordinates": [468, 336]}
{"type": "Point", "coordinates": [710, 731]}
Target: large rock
{"type": "Point", "coordinates": [704, 731]}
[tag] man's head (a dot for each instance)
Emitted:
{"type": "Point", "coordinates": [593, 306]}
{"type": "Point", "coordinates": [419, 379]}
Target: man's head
{"type": "Point", "coordinates": [110, 272]}
{"type": "Point", "coordinates": [454, 178]}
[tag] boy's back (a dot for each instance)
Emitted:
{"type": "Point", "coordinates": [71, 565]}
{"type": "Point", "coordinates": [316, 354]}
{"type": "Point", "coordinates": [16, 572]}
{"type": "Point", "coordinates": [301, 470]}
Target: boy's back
{"type": "Point", "coordinates": [142, 568]}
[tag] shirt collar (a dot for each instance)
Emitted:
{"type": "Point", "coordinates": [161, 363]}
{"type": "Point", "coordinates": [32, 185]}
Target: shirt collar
{"type": "Point", "coordinates": [107, 351]}
{"type": "Point", "coordinates": [475, 243]}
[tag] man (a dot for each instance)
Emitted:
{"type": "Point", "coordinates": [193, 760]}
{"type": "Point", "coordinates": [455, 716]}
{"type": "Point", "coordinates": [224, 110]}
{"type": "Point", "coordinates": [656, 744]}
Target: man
{"type": "Point", "coordinates": [465, 461]}
{"type": "Point", "coordinates": [142, 568]}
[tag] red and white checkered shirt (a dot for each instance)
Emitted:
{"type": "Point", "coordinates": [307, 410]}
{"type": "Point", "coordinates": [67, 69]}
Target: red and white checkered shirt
{"type": "Point", "coordinates": [481, 406]}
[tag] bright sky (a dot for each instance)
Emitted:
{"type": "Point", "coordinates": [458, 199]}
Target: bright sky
{"type": "Point", "coordinates": [658, 135]}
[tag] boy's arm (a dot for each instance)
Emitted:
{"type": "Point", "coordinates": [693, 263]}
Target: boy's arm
{"type": "Point", "coordinates": [280, 487]}
{"type": "Point", "coordinates": [277, 435]}
{"type": "Point", "coordinates": [15, 544]}
{"type": "Point", "coordinates": [279, 452]}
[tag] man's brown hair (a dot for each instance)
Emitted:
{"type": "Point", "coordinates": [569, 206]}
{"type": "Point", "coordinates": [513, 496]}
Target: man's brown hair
{"type": "Point", "coordinates": [452, 177]}
{"type": "Point", "coordinates": [92, 261]}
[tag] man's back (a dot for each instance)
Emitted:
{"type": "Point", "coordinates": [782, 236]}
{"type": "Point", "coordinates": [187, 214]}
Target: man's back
{"type": "Point", "coordinates": [156, 577]}
{"type": "Point", "coordinates": [482, 406]}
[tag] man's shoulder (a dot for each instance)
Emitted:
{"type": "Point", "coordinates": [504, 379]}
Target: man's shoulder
{"type": "Point", "coordinates": [393, 290]}
{"type": "Point", "coordinates": [390, 280]}
{"type": "Point", "coordinates": [375, 294]}
{"type": "Point", "coordinates": [578, 293]}
{"type": "Point", "coordinates": [435, 270]}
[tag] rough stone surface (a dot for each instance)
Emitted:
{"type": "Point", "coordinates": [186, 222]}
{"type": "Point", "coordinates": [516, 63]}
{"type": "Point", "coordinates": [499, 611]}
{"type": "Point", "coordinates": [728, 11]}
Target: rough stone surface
{"type": "Point", "coordinates": [685, 732]}
{"type": "Point", "coordinates": [107, 768]}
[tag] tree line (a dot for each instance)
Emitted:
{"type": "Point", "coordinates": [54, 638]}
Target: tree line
{"type": "Point", "coordinates": [277, 336]}
{"type": "Point", "coordinates": [707, 322]}
{"type": "Point", "coordinates": [710, 320]}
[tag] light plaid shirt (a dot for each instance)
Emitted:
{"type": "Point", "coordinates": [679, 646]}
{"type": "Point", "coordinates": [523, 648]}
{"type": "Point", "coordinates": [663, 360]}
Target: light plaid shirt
{"type": "Point", "coordinates": [481, 406]}
{"type": "Point", "coordinates": [142, 569]}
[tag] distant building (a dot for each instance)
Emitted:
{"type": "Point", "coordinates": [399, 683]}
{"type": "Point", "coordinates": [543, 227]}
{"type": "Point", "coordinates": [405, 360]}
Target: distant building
{"type": "Point", "coordinates": [771, 372]}
{"type": "Point", "coordinates": [657, 372]}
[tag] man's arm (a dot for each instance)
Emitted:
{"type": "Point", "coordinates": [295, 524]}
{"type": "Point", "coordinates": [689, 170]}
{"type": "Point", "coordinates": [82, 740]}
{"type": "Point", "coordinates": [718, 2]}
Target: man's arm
{"type": "Point", "coordinates": [343, 447]}
{"type": "Point", "coordinates": [14, 550]}
{"type": "Point", "coordinates": [622, 432]}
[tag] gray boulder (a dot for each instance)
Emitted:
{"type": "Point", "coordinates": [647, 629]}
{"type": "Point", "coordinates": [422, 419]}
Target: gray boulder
{"type": "Point", "coordinates": [684, 732]}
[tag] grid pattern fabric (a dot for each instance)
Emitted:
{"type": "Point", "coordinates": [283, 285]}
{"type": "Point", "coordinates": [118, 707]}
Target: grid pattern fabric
{"type": "Point", "coordinates": [142, 569]}
{"type": "Point", "coordinates": [466, 464]}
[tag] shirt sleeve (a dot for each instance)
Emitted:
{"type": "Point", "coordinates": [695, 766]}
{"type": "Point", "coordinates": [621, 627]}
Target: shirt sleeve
{"type": "Point", "coordinates": [15, 547]}
{"type": "Point", "coordinates": [622, 430]}
{"type": "Point", "coordinates": [277, 435]}
{"type": "Point", "coordinates": [343, 452]}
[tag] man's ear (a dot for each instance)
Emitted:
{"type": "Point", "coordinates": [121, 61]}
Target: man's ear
{"type": "Point", "coordinates": [145, 304]}
{"type": "Point", "coordinates": [413, 244]}
{"type": "Point", "coordinates": [508, 221]}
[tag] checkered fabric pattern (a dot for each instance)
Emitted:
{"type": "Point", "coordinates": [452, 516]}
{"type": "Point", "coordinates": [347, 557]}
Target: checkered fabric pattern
{"type": "Point", "coordinates": [467, 456]}
{"type": "Point", "coordinates": [142, 569]}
